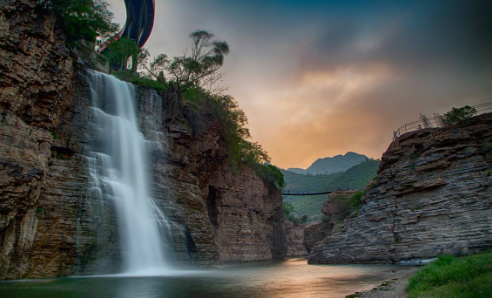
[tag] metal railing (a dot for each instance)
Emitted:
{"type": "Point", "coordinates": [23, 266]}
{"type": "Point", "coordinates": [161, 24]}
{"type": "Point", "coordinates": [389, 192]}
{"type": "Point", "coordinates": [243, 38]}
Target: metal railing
{"type": "Point", "coordinates": [435, 122]}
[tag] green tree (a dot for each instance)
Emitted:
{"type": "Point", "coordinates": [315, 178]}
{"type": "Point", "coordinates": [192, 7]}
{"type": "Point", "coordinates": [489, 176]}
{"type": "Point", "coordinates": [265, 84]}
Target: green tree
{"type": "Point", "coordinates": [120, 51]}
{"type": "Point", "coordinates": [206, 57]}
{"type": "Point", "coordinates": [82, 19]}
{"type": "Point", "coordinates": [459, 116]}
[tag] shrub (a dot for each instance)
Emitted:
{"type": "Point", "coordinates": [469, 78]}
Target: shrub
{"type": "Point", "coordinates": [130, 77]}
{"type": "Point", "coordinates": [355, 201]}
{"type": "Point", "coordinates": [346, 205]}
{"type": "Point", "coordinates": [271, 174]}
{"type": "Point", "coordinates": [459, 116]}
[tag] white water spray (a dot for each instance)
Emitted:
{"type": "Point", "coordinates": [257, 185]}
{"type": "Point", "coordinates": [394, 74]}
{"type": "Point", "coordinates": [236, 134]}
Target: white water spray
{"type": "Point", "coordinates": [118, 167]}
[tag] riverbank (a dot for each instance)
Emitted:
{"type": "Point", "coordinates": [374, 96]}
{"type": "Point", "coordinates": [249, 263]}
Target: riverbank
{"type": "Point", "coordinates": [394, 287]}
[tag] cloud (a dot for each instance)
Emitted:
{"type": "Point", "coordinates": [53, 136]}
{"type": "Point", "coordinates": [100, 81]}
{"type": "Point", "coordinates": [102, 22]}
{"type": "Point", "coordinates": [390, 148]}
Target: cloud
{"type": "Point", "coordinates": [320, 78]}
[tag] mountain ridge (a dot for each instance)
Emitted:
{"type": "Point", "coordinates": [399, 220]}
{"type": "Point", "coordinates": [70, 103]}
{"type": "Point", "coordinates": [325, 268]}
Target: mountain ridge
{"type": "Point", "coordinates": [331, 165]}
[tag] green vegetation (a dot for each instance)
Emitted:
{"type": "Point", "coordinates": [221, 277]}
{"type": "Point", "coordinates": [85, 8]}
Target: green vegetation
{"type": "Point", "coordinates": [181, 77]}
{"type": "Point", "coordinates": [118, 52]}
{"type": "Point", "coordinates": [454, 277]}
{"type": "Point", "coordinates": [54, 135]}
{"type": "Point", "coordinates": [346, 205]}
{"type": "Point", "coordinates": [356, 177]}
{"type": "Point", "coordinates": [309, 206]}
{"type": "Point", "coordinates": [459, 116]}
{"type": "Point", "coordinates": [39, 210]}
{"type": "Point", "coordinates": [288, 211]}
{"type": "Point", "coordinates": [199, 67]}
{"type": "Point", "coordinates": [82, 19]}
{"type": "Point", "coordinates": [225, 110]}
{"type": "Point", "coordinates": [271, 174]}
{"type": "Point", "coordinates": [130, 77]}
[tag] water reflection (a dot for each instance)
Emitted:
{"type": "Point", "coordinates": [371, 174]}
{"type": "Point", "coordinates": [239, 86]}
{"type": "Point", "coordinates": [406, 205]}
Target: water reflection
{"type": "Point", "coordinates": [291, 278]}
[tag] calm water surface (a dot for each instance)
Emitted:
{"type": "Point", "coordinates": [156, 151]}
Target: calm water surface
{"type": "Point", "coordinates": [290, 278]}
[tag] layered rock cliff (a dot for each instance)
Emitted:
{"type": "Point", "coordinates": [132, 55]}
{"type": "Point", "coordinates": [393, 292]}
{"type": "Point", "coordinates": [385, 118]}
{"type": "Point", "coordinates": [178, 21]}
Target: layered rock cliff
{"type": "Point", "coordinates": [295, 239]}
{"type": "Point", "coordinates": [51, 223]}
{"type": "Point", "coordinates": [335, 212]}
{"type": "Point", "coordinates": [433, 196]}
{"type": "Point", "coordinates": [36, 76]}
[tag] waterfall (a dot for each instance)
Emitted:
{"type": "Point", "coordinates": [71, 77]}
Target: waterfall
{"type": "Point", "coordinates": [118, 170]}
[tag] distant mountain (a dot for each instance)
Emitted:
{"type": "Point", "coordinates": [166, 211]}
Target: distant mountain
{"type": "Point", "coordinates": [330, 165]}
{"type": "Point", "coordinates": [354, 178]}
{"type": "Point", "coordinates": [297, 170]}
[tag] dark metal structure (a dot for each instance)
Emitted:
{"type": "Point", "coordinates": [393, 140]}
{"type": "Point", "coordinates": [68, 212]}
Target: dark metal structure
{"type": "Point", "coordinates": [140, 15]}
{"type": "Point", "coordinates": [304, 193]}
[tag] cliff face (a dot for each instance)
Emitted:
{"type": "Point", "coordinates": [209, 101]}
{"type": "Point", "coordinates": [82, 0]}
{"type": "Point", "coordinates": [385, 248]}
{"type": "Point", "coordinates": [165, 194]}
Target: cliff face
{"type": "Point", "coordinates": [295, 239]}
{"type": "Point", "coordinates": [36, 75]}
{"type": "Point", "coordinates": [335, 212]}
{"type": "Point", "coordinates": [50, 222]}
{"type": "Point", "coordinates": [241, 206]}
{"type": "Point", "coordinates": [433, 196]}
{"type": "Point", "coordinates": [314, 232]}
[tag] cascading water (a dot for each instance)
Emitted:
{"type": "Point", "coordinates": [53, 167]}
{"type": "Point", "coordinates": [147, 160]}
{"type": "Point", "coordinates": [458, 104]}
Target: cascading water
{"type": "Point", "coordinates": [118, 170]}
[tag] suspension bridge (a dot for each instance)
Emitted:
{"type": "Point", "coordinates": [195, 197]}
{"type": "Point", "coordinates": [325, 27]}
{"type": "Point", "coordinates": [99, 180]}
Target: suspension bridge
{"type": "Point", "coordinates": [304, 193]}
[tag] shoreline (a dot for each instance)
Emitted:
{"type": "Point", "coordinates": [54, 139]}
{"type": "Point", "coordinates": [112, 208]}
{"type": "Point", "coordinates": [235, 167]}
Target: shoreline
{"type": "Point", "coordinates": [394, 287]}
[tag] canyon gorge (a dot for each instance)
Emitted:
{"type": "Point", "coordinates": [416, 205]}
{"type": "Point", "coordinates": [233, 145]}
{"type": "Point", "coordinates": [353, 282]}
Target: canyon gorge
{"type": "Point", "coordinates": [61, 146]}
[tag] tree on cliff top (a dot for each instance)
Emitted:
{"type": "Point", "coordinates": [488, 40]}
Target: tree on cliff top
{"type": "Point", "coordinates": [459, 116]}
{"type": "Point", "coordinates": [206, 57]}
{"type": "Point", "coordinates": [82, 19]}
{"type": "Point", "coordinates": [118, 53]}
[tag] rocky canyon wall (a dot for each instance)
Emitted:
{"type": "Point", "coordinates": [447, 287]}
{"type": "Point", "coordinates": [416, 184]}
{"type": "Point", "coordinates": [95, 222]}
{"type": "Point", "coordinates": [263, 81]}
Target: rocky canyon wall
{"type": "Point", "coordinates": [36, 76]}
{"type": "Point", "coordinates": [433, 196]}
{"type": "Point", "coordinates": [51, 223]}
{"type": "Point", "coordinates": [295, 239]}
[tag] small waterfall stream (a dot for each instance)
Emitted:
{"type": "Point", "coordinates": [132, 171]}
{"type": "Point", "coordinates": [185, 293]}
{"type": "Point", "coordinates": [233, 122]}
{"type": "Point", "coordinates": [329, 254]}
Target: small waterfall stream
{"type": "Point", "coordinates": [118, 170]}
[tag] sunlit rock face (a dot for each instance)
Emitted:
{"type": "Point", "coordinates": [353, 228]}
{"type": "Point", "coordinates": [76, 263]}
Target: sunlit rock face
{"type": "Point", "coordinates": [246, 216]}
{"type": "Point", "coordinates": [51, 224]}
{"type": "Point", "coordinates": [433, 196]}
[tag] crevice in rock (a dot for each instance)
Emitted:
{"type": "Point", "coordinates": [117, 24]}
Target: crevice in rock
{"type": "Point", "coordinates": [191, 249]}
{"type": "Point", "coordinates": [61, 152]}
{"type": "Point", "coordinates": [213, 197]}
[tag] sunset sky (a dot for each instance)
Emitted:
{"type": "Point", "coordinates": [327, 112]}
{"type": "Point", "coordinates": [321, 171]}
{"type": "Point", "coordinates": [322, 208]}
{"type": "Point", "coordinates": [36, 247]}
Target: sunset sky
{"type": "Point", "coordinates": [320, 78]}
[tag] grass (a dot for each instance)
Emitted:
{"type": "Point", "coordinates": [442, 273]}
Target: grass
{"type": "Point", "coordinates": [129, 77]}
{"type": "Point", "coordinates": [466, 277]}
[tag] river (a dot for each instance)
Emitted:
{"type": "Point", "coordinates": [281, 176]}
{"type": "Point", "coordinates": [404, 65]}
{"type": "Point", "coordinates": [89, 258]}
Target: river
{"type": "Point", "coordinates": [286, 279]}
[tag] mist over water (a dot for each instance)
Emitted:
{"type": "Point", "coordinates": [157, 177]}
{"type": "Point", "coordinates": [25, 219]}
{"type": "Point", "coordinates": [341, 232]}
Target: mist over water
{"type": "Point", "coordinates": [292, 278]}
{"type": "Point", "coordinates": [118, 171]}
